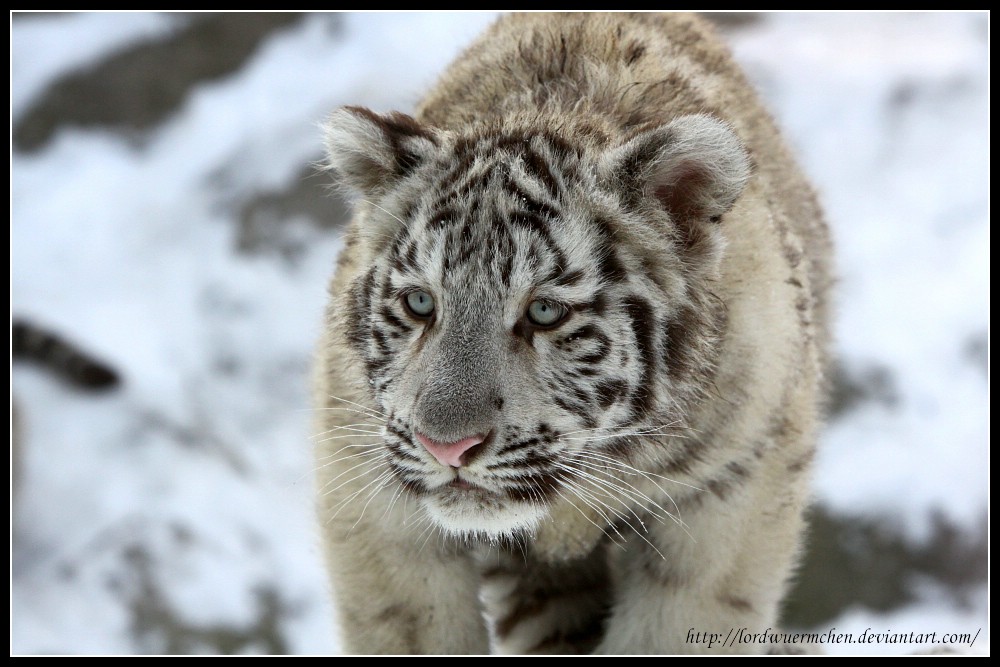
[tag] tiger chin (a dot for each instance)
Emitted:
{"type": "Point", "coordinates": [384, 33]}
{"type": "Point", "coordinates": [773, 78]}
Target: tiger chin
{"type": "Point", "coordinates": [572, 364]}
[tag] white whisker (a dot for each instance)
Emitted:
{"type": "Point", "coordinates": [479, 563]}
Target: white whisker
{"type": "Point", "coordinates": [381, 480]}
{"type": "Point", "coordinates": [638, 497]}
{"type": "Point", "coordinates": [648, 476]}
{"type": "Point", "coordinates": [608, 490]}
{"type": "Point", "coordinates": [372, 412]}
{"type": "Point", "coordinates": [326, 491]}
{"type": "Point", "coordinates": [369, 455]}
{"type": "Point", "coordinates": [628, 429]}
{"type": "Point", "coordinates": [393, 500]}
{"type": "Point", "coordinates": [636, 531]}
{"type": "Point", "coordinates": [389, 213]}
{"type": "Point", "coordinates": [584, 514]}
{"type": "Point", "coordinates": [353, 445]}
{"type": "Point", "coordinates": [374, 420]}
{"type": "Point", "coordinates": [608, 459]}
{"type": "Point", "coordinates": [362, 427]}
{"type": "Point", "coordinates": [346, 500]}
{"type": "Point", "coordinates": [349, 435]}
{"type": "Point", "coordinates": [625, 434]}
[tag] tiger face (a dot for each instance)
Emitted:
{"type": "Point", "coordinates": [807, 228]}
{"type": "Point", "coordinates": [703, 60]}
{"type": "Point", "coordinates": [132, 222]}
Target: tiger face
{"type": "Point", "coordinates": [533, 307]}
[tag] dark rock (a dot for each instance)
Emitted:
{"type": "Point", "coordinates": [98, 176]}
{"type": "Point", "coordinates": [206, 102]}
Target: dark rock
{"type": "Point", "coordinates": [136, 88]}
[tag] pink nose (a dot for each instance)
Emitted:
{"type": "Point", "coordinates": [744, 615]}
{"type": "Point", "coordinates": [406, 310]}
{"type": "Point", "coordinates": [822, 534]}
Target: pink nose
{"type": "Point", "coordinates": [450, 453]}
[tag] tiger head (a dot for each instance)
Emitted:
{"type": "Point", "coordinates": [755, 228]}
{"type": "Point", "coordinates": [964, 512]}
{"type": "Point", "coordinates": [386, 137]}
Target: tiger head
{"type": "Point", "coordinates": [534, 304]}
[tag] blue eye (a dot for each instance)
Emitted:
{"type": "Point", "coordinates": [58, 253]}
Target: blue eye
{"type": "Point", "coordinates": [545, 313]}
{"type": "Point", "coordinates": [419, 303]}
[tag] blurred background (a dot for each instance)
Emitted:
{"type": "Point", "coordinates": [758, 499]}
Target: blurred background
{"type": "Point", "coordinates": [166, 217]}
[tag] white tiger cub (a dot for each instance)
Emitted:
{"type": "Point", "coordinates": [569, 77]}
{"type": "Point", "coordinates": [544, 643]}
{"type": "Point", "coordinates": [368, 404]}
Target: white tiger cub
{"type": "Point", "coordinates": [569, 382]}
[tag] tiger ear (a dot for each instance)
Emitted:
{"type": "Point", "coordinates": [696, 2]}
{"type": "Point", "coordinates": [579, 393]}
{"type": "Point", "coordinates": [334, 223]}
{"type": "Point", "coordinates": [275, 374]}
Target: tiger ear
{"type": "Point", "coordinates": [694, 166]}
{"type": "Point", "coordinates": [370, 152]}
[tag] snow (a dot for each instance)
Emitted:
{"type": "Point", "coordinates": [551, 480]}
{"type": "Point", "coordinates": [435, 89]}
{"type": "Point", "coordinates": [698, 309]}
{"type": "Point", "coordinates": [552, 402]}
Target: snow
{"type": "Point", "coordinates": [201, 463]}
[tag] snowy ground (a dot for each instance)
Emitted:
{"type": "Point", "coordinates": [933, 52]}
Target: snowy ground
{"type": "Point", "coordinates": [174, 514]}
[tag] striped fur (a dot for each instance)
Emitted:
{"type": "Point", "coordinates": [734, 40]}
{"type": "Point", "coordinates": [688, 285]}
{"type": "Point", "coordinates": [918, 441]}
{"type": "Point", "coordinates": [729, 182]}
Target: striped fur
{"type": "Point", "coordinates": [643, 463]}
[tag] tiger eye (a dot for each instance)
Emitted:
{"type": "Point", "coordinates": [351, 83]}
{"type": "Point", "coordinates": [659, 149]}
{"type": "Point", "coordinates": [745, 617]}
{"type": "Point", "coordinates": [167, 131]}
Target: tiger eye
{"type": "Point", "coordinates": [419, 303]}
{"type": "Point", "coordinates": [545, 313]}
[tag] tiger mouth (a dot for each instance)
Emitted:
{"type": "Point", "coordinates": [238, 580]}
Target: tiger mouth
{"type": "Point", "coordinates": [464, 485]}
{"type": "Point", "coordinates": [462, 488]}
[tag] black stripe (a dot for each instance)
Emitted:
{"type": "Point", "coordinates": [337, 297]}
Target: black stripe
{"type": "Point", "coordinates": [534, 206]}
{"type": "Point", "coordinates": [380, 342]}
{"type": "Point", "coordinates": [610, 392]}
{"type": "Point", "coordinates": [399, 433]}
{"type": "Point", "coordinates": [385, 289]}
{"type": "Point", "coordinates": [585, 332]}
{"type": "Point", "coordinates": [578, 393]}
{"type": "Point", "coordinates": [579, 410]}
{"type": "Point", "coordinates": [634, 52]}
{"type": "Point", "coordinates": [561, 146]}
{"type": "Point", "coordinates": [441, 218]}
{"type": "Point", "coordinates": [641, 315]}
{"type": "Point", "coordinates": [514, 446]}
{"type": "Point", "coordinates": [720, 488]}
{"type": "Point", "coordinates": [582, 640]}
{"type": "Point", "coordinates": [599, 353]}
{"type": "Point", "coordinates": [507, 267]}
{"type": "Point", "coordinates": [393, 321]}
{"type": "Point", "coordinates": [683, 459]}
{"type": "Point", "coordinates": [463, 162]}
{"type": "Point", "coordinates": [569, 278]}
{"type": "Point", "coordinates": [582, 411]}
{"type": "Point", "coordinates": [534, 487]}
{"type": "Point", "coordinates": [609, 265]}
{"type": "Point", "coordinates": [359, 309]}
{"type": "Point", "coordinates": [540, 227]}
{"type": "Point", "coordinates": [410, 256]}
{"type": "Point", "coordinates": [538, 167]}
{"type": "Point", "coordinates": [737, 470]}
{"type": "Point", "coordinates": [801, 463]}
{"type": "Point", "coordinates": [398, 451]}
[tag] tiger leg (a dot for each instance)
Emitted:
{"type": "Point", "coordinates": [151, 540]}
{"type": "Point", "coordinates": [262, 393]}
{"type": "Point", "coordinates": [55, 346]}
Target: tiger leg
{"type": "Point", "coordinates": [693, 589]}
{"type": "Point", "coordinates": [537, 607]}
